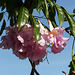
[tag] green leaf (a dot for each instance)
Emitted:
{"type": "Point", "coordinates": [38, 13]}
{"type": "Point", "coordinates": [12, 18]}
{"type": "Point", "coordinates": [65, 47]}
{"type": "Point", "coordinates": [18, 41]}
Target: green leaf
{"type": "Point", "coordinates": [74, 11]}
{"type": "Point", "coordinates": [23, 17]}
{"type": "Point", "coordinates": [54, 0]}
{"type": "Point", "coordinates": [50, 4]}
{"type": "Point", "coordinates": [12, 6]}
{"type": "Point", "coordinates": [3, 27]}
{"type": "Point", "coordinates": [39, 7]}
{"type": "Point", "coordinates": [60, 14]}
{"type": "Point", "coordinates": [74, 57]}
{"type": "Point", "coordinates": [72, 15]}
{"type": "Point", "coordinates": [71, 21]}
{"type": "Point", "coordinates": [46, 9]}
{"type": "Point", "coordinates": [36, 25]}
{"type": "Point", "coordinates": [31, 4]}
{"type": "Point", "coordinates": [72, 66]}
{"type": "Point", "coordinates": [11, 22]}
{"type": "Point", "coordinates": [1, 16]}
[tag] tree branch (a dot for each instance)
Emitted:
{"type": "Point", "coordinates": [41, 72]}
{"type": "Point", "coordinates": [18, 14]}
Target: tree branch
{"type": "Point", "coordinates": [33, 68]}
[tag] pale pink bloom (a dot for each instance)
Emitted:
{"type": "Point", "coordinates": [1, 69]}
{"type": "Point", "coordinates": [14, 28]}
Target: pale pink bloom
{"type": "Point", "coordinates": [58, 31]}
{"type": "Point", "coordinates": [59, 44]}
{"type": "Point", "coordinates": [58, 40]}
{"type": "Point", "coordinates": [41, 41]}
{"type": "Point", "coordinates": [44, 39]}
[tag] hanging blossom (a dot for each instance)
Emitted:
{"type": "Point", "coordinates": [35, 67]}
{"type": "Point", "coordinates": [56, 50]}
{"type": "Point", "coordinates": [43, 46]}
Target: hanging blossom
{"type": "Point", "coordinates": [54, 36]}
{"type": "Point", "coordinates": [23, 44]}
{"type": "Point", "coordinates": [57, 39]}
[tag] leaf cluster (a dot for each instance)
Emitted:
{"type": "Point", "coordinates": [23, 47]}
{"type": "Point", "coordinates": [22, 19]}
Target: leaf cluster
{"type": "Point", "coordinates": [20, 13]}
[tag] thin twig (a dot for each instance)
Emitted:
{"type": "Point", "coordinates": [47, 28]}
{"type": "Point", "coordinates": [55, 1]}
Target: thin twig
{"type": "Point", "coordinates": [39, 17]}
{"type": "Point", "coordinates": [46, 59]}
{"type": "Point", "coordinates": [66, 29]}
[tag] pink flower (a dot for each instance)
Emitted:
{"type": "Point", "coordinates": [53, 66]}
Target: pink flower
{"type": "Point", "coordinates": [23, 44]}
{"type": "Point", "coordinates": [58, 40]}
{"type": "Point", "coordinates": [44, 39]}
{"type": "Point", "coordinates": [25, 34]}
{"type": "Point", "coordinates": [59, 44]}
{"type": "Point", "coordinates": [39, 53]}
{"type": "Point", "coordinates": [58, 31]}
{"type": "Point", "coordinates": [8, 41]}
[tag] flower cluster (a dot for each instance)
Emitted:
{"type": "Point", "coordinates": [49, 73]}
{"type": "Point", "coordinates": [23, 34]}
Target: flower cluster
{"type": "Point", "coordinates": [24, 45]}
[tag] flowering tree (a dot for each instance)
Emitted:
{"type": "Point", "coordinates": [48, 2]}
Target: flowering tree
{"type": "Point", "coordinates": [30, 38]}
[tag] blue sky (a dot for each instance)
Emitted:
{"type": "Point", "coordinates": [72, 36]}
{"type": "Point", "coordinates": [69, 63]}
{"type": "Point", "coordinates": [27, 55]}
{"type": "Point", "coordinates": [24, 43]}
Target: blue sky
{"type": "Point", "coordinates": [12, 65]}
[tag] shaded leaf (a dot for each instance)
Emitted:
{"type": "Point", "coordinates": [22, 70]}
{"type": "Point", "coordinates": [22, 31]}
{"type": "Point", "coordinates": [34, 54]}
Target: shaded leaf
{"type": "Point", "coordinates": [74, 11]}
{"type": "Point", "coordinates": [11, 22]}
{"type": "Point", "coordinates": [52, 12]}
{"type": "Point", "coordinates": [1, 16]}
{"type": "Point", "coordinates": [50, 4]}
{"type": "Point", "coordinates": [72, 15]}
{"type": "Point", "coordinates": [23, 17]}
{"type": "Point", "coordinates": [54, 0]}
{"type": "Point", "coordinates": [72, 66]}
{"type": "Point", "coordinates": [12, 6]}
{"type": "Point", "coordinates": [31, 4]}
{"type": "Point", "coordinates": [3, 27]}
{"type": "Point", "coordinates": [39, 7]}
{"type": "Point", "coordinates": [60, 14]}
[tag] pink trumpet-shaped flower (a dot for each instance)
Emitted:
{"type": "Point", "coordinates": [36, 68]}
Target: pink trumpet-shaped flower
{"type": "Point", "coordinates": [58, 40]}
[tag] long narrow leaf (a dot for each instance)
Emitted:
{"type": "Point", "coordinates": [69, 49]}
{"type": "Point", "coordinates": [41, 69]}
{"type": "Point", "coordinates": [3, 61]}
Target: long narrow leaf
{"type": "Point", "coordinates": [46, 7]}
{"type": "Point", "coordinates": [71, 21]}
{"type": "Point", "coordinates": [60, 14]}
{"type": "Point", "coordinates": [37, 33]}
{"type": "Point", "coordinates": [23, 17]}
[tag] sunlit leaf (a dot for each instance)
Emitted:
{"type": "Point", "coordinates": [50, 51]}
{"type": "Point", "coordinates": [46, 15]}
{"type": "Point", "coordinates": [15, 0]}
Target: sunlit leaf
{"type": "Point", "coordinates": [71, 21]}
{"type": "Point", "coordinates": [60, 14]}
{"type": "Point", "coordinates": [23, 17]}
{"type": "Point", "coordinates": [37, 33]}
